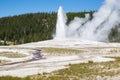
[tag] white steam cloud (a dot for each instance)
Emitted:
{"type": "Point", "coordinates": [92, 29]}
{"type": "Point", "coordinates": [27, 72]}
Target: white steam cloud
{"type": "Point", "coordinates": [98, 28]}
{"type": "Point", "coordinates": [61, 24]}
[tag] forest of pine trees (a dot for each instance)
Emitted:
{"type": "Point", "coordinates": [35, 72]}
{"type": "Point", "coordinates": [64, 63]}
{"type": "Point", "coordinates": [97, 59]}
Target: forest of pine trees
{"type": "Point", "coordinates": [36, 27]}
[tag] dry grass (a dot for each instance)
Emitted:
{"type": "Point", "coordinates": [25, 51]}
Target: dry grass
{"type": "Point", "coordinates": [84, 71]}
{"type": "Point", "coordinates": [3, 62]}
{"type": "Point", "coordinates": [61, 51]}
{"type": "Point", "coordinates": [114, 50]}
{"type": "Point", "coordinates": [12, 55]}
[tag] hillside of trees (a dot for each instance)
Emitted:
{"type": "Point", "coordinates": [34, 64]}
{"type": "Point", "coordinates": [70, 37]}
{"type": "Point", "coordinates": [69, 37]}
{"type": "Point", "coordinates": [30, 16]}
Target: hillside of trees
{"type": "Point", "coordinates": [27, 28]}
{"type": "Point", "coordinates": [34, 27]}
{"type": "Point", "coordinates": [31, 27]}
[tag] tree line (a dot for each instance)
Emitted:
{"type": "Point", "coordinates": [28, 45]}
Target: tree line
{"type": "Point", "coordinates": [34, 27]}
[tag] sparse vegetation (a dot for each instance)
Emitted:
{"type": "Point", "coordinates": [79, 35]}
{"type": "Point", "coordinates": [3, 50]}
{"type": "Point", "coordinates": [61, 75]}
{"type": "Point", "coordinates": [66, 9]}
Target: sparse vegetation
{"type": "Point", "coordinates": [90, 62]}
{"type": "Point", "coordinates": [115, 50]}
{"type": "Point", "coordinates": [11, 55]}
{"type": "Point", "coordinates": [86, 71]}
{"type": "Point", "coordinates": [3, 61]}
{"type": "Point", "coordinates": [13, 78]}
{"type": "Point", "coordinates": [61, 51]}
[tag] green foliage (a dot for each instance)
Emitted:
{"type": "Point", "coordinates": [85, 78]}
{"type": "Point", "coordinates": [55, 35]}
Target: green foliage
{"type": "Point", "coordinates": [114, 34]}
{"type": "Point", "coordinates": [71, 15]}
{"type": "Point", "coordinates": [38, 26]}
{"type": "Point", "coordinates": [31, 27]}
{"type": "Point", "coordinates": [27, 28]}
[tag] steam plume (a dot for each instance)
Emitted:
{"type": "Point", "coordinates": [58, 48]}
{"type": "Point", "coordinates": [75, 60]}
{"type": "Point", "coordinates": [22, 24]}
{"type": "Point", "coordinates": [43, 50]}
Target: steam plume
{"type": "Point", "coordinates": [98, 28]}
{"type": "Point", "coordinates": [60, 26]}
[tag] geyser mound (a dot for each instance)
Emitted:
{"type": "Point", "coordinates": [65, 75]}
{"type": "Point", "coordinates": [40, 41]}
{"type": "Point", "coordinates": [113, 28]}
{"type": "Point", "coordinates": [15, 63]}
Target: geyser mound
{"type": "Point", "coordinates": [97, 29]}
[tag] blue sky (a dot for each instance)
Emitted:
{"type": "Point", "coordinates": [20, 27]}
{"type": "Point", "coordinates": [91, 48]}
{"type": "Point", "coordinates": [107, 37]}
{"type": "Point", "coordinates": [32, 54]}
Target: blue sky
{"type": "Point", "coordinates": [16, 7]}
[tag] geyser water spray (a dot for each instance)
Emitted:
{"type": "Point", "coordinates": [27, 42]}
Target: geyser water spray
{"type": "Point", "coordinates": [97, 29]}
{"type": "Point", "coordinates": [61, 24]}
{"type": "Point", "coordinates": [103, 21]}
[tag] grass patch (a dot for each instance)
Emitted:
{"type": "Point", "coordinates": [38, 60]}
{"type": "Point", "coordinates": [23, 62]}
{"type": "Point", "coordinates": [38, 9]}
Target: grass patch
{"type": "Point", "coordinates": [102, 47]}
{"type": "Point", "coordinates": [86, 71]}
{"type": "Point", "coordinates": [90, 61]}
{"type": "Point", "coordinates": [115, 50]}
{"type": "Point", "coordinates": [3, 62]}
{"type": "Point", "coordinates": [12, 55]}
{"type": "Point", "coordinates": [14, 78]}
{"type": "Point", "coordinates": [61, 51]}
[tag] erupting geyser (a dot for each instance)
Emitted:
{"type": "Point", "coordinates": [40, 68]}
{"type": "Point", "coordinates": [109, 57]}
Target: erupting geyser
{"type": "Point", "coordinates": [97, 29]}
{"type": "Point", "coordinates": [103, 21]}
{"type": "Point", "coordinates": [60, 26]}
